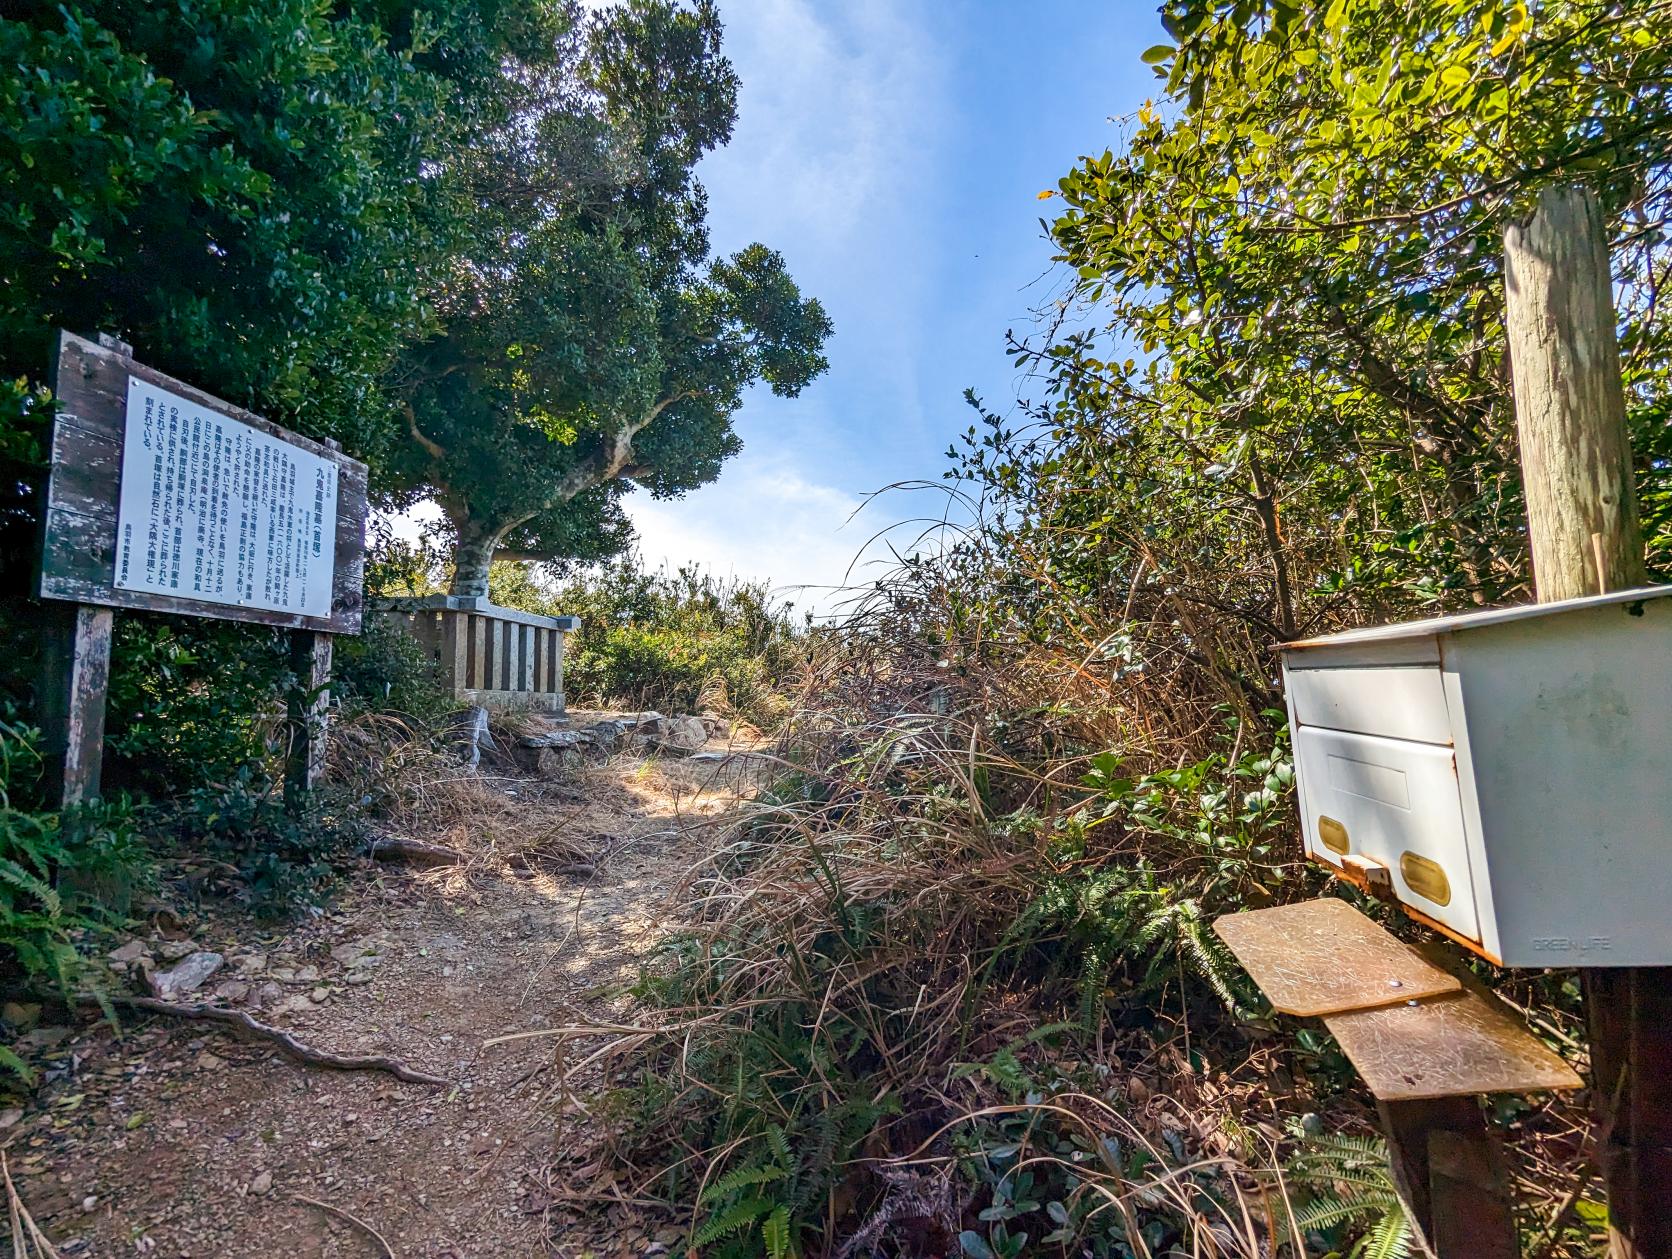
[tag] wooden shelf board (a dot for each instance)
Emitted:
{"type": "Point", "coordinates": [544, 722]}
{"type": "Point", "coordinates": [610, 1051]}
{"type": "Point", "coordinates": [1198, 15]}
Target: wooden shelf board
{"type": "Point", "coordinates": [1324, 957]}
{"type": "Point", "coordinates": [1453, 1045]}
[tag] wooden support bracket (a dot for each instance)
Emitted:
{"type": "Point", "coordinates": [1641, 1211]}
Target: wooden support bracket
{"type": "Point", "coordinates": [1449, 1169]}
{"type": "Point", "coordinates": [1427, 1042]}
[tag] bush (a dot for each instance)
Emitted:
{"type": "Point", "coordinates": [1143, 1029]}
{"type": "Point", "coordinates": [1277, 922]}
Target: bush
{"type": "Point", "coordinates": [678, 642]}
{"type": "Point", "coordinates": [192, 701]}
{"type": "Point", "coordinates": [384, 669]}
{"type": "Point", "coordinates": [59, 876]}
{"type": "Point", "coordinates": [282, 861]}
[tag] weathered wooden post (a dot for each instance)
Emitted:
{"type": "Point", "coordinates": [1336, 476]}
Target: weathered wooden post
{"type": "Point", "coordinates": [1582, 518]}
{"type": "Point", "coordinates": [308, 706]}
{"type": "Point", "coordinates": [75, 673]}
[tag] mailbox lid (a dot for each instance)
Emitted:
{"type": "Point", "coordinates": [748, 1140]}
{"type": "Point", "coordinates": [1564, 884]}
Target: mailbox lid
{"type": "Point", "coordinates": [1396, 702]}
{"type": "Point", "coordinates": [1398, 803]}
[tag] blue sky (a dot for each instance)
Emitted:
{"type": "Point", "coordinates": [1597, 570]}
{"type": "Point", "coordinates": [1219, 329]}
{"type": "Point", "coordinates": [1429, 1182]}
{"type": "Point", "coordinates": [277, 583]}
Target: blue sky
{"type": "Point", "coordinates": [893, 151]}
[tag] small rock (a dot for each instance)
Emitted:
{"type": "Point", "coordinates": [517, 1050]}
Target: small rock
{"type": "Point", "coordinates": [129, 953]}
{"type": "Point", "coordinates": [262, 1185]}
{"type": "Point", "coordinates": [306, 974]}
{"type": "Point", "coordinates": [188, 976]}
{"type": "Point", "coordinates": [174, 950]}
{"type": "Point", "coordinates": [558, 739]}
{"type": "Point", "coordinates": [250, 963]}
{"type": "Point", "coordinates": [43, 1038]}
{"type": "Point", "coordinates": [360, 952]}
{"type": "Point", "coordinates": [607, 735]}
{"type": "Point", "coordinates": [89, 1204]}
{"type": "Point", "coordinates": [355, 978]}
{"type": "Point", "coordinates": [20, 1016]}
{"type": "Point", "coordinates": [268, 994]}
{"type": "Point", "coordinates": [558, 763]}
{"type": "Point", "coordinates": [682, 734]}
{"type": "Point", "coordinates": [207, 1061]}
{"type": "Point", "coordinates": [232, 991]}
{"type": "Point", "coordinates": [320, 995]}
{"type": "Point", "coordinates": [10, 1116]}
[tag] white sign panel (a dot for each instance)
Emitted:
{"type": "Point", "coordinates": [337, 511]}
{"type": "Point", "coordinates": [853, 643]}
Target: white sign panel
{"type": "Point", "coordinates": [216, 510]}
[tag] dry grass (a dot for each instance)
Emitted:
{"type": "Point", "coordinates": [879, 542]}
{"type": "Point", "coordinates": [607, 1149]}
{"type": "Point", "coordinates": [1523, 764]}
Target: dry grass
{"type": "Point", "coordinates": [424, 791]}
{"type": "Point", "coordinates": [864, 935]}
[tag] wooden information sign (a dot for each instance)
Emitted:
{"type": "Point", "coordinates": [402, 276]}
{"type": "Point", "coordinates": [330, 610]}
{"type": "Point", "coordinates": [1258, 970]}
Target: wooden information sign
{"type": "Point", "coordinates": [165, 499]}
{"type": "Point", "coordinates": [162, 498]}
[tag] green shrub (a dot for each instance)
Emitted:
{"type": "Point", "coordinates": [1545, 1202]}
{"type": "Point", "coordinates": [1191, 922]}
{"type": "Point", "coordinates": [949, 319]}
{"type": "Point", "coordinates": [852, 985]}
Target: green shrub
{"type": "Point", "coordinates": [282, 860]}
{"type": "Point", "coordinates": [192, 701]}
{"type": "Point", "coordinates": [384, 669]}
{"type": "Point", "coordinates": [678, 642]}
{"type": "Point", "coordinates": [58, 875]}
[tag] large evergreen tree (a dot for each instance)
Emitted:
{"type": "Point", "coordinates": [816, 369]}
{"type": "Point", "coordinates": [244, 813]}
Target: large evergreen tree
{"type": "Point", "coordinates": [585, 336]}
{"type": "Point", "coordinates": [250, 193]}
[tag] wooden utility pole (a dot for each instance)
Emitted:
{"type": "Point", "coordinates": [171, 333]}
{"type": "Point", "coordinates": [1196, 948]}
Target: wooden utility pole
{"type": "Point", "coordinates": [1582, 519]}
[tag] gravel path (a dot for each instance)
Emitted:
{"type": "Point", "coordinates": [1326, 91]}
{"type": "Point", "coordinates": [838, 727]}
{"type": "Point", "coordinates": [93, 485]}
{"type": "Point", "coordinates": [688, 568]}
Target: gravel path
{"type": "Point", "coordinates": [176, 1140]}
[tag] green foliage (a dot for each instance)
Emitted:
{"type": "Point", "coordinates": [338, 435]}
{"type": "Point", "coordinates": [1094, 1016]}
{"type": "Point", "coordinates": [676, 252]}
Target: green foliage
{"type": "Point", "coordinates": [383, 669]}
{"type": "Point", "coordinates": [1215, 828]}
{"type": "Point", "coordinates": [1348, 1191]}
{"type": "Point", "coordinates": [57, 875]}
{"type": "Point", "coordinates": [1294, 411]}
{"type": "Point", "coordinates": [743, 1206]}
{"type": "Point", "coordinates": [193, 702]}
{"type": "Point", "coordinates": [1067, 1162]}
{"type": "Point", "coordinates": [585, 335]}
{"type": "Point", "coordinates": [677, 642]}
{"type": "Point", "coordinates": [786, 1146]}
{"type": "Point", "coordinates": [280, 861]}
{"type": "Point", "coordinates": [247, 203]}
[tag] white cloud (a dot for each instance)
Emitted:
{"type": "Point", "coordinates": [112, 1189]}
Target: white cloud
{"type": "Point", "coordinates": [842, 111]}
{"type": "Point", "coordinates": [764, 521]}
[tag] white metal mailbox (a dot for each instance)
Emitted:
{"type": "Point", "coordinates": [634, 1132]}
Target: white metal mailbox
{"type": "Point", "coordinates": [1506, 775]}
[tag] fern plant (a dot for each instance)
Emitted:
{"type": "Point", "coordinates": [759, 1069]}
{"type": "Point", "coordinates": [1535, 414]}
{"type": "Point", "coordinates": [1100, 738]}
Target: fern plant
{"type": "Point", "coordinates": [1347, 1187]}
{"type": "Point", "coordinates": [750, 1209]}
{"type": "Point", "coordinates": [44, 864]}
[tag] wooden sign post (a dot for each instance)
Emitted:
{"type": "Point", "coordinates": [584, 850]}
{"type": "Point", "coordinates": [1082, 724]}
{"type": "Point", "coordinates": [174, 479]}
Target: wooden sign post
{"type": "Point", "coordinates": [162, 498]}
{"type": "Point", "coordinates": [1586, 540]}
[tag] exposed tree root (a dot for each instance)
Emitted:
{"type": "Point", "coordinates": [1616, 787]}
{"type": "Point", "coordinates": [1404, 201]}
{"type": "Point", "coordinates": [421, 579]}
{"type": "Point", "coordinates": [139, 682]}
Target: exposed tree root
{"type": "Point", "coordinates": [248, 1028]}
{"type": "Point", "coordinates": [388, 1250]}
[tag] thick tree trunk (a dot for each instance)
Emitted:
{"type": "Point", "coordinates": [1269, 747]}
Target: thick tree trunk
{"type": "Point", "coordinates": [472, 555]}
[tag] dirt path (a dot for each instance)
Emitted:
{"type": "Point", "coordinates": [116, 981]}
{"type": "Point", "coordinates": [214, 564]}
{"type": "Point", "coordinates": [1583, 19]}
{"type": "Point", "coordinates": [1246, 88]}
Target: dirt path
{"type": "Point", "coordinates": [179, 1141]}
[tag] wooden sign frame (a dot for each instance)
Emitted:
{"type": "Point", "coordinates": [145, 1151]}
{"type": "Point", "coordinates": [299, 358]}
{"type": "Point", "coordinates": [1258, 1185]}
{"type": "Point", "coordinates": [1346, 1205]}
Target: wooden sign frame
{"type": "Point", "coordinates": [78, 550]}
{"type": "Point", "coordinates": [78, 558]}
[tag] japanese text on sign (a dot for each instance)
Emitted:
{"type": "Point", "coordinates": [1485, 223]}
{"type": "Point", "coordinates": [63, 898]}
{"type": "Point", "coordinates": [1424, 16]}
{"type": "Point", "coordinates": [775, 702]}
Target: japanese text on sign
{"type": "Point", "coordinates": [214, 509]}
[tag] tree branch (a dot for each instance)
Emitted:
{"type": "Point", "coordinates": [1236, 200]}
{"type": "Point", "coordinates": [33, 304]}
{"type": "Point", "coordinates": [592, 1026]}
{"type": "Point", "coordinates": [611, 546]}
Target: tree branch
{"type": "Point", "coordinates": [616, 457]}
{"type": "Point", "coordinates": [430, 446]}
